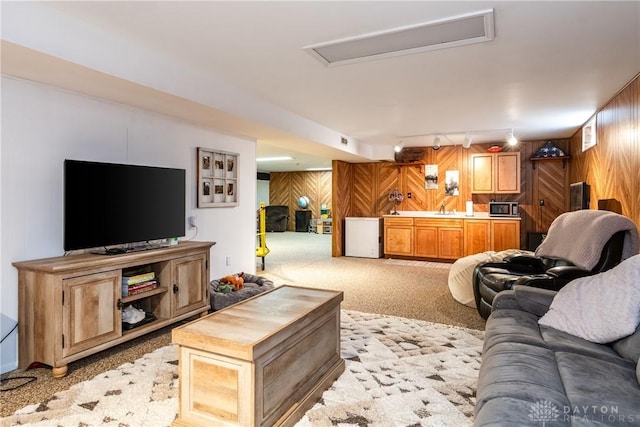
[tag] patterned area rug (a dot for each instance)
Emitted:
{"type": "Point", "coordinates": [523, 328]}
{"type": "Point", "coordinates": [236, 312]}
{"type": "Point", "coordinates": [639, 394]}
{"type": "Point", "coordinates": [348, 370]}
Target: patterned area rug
{"type": "Point", "coordinates": [399, 372]}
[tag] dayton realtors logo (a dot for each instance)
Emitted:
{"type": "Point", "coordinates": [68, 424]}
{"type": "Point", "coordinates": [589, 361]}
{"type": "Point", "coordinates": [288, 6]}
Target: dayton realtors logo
{"type": "Point", "coordinates": [546, 412]}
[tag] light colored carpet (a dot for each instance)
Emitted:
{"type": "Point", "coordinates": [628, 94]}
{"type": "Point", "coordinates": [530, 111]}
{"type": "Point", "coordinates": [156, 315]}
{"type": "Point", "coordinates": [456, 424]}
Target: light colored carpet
{"type": "Point", "coordinates": [405, 288]}
{"type": "Point", "coordinates": [399, 372]}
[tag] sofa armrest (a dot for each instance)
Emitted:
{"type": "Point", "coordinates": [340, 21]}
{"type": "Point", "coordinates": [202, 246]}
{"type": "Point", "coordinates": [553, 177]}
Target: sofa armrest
{"type": "Point", "coordinates": [505, 300]}
{"type": "Point", "coordinates": [529, 261]}
{"type": "Point", "coordinates": [532, 300]}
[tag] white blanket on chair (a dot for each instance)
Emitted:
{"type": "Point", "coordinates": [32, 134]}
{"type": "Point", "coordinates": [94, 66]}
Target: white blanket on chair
{"type": "Point", "coordinates": [580, 236]}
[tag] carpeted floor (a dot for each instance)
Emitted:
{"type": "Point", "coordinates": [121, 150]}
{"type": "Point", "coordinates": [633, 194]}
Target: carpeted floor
{"type": "Point", "coordinates": [417, 290]}
{"type": "Point", "coordinates": [398, 288]}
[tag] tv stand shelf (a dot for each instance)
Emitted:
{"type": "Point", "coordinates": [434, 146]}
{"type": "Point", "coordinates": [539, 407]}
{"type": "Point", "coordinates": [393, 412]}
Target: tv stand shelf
{"type": "Point", "coordinates": [146, 294]}
{"type": "Point", "coordinates": [71, 307]}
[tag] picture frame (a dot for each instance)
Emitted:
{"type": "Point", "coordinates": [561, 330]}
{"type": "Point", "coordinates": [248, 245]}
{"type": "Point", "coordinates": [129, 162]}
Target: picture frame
{"type": "Point", "coordinates": [589, 139]}
{"type": "Point", "coordinates": [452, 183]}
{"type": "Point", "coordinates": [217, 178]}
{"type": "Point", "coordinates": [431, 177]}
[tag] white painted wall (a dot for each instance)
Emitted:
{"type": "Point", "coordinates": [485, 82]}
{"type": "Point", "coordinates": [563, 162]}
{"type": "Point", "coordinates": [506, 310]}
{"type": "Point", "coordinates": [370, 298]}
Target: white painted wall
{"type": "Point", "coordinates": [39, 26]}
{"type": "Point", "coordinates": [262, 193]}
{"type": "Point", "coordinates": [43, 125]}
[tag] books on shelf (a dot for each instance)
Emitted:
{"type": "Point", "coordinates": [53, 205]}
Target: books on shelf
{"type": "Point", "coordinates": [128, 290]}
{"type": "Point", "coordinates": [138, 278]}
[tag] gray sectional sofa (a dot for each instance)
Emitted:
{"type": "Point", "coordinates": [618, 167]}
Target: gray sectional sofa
{"type": "Point", "coordinates": [533, 375]}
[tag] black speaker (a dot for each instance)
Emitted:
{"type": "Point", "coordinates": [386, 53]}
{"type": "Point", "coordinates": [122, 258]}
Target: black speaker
{"type": "Point", "coordinates": [277, 218]}
{"type": "Point", "coordinates": [303, 218]}
{"type": "Point", "coordinates": [534, 240]}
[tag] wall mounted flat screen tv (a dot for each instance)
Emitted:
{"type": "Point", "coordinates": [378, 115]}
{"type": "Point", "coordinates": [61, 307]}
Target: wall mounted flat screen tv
{"type": "Point", "coordinates": [579, 196]}
{"type": "Point", "coordinates": [107, 204]}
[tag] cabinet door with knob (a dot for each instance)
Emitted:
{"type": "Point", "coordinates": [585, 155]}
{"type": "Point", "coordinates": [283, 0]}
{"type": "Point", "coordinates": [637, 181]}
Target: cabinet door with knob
{"type": "Point", "coordinates": [95, 297]}
{"type": "Point", "coordinates": [398, 236]}
{"type": "Point", "coordinates": [190, 285]}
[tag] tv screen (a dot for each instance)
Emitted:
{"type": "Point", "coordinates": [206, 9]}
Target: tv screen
{"type": "Point", "coordinates": [579, 196]}
{"type": "Point", "coordinates": [108, 204]}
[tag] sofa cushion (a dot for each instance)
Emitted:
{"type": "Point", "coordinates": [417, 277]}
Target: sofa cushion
{"type": "Point", "coordinates": [510, 412]}
{"type": "Point", "coordinates": [522, 372]}
{"type": "Point", "coordinates": [599, 391]}
{"type": "Point", "coordinates": [517, 326]}
{"type": "Point", "coordinates": [629, 347]}
{"type": "Point", "coordinates": [600, 308]}
{"type": "Point", "coordinates": [559, 341]}
{"type": "Point", "coordinates": [510, 325]}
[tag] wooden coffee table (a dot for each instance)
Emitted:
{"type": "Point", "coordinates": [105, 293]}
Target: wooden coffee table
{"type": "Point", "coordinates": [262, 362]}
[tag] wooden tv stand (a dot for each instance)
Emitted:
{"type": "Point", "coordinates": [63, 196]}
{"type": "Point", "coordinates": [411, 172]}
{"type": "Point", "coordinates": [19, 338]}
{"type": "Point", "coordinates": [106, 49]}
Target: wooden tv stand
{"type": "Point", "coordinates": [71, 307]}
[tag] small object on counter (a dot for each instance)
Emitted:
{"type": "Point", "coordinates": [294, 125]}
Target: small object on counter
{"type": "Point", "coordinates": [469, 208]}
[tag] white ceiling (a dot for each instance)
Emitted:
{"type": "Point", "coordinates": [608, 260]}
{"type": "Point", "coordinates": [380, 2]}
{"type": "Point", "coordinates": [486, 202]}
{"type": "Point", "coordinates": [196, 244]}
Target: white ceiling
{"type": "Point", "coordinates": [549, 68]}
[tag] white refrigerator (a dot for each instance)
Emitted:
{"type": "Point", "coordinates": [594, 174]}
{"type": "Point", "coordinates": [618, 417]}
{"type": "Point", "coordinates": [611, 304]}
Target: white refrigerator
{"type": "Point", "coordinates": [363, 237]}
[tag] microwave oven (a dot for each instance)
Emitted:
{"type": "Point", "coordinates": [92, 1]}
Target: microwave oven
{"type": "Point", "coordinates": [503, 209]}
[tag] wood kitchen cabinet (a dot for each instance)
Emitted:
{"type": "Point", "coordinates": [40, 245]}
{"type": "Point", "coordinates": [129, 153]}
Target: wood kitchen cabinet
{"type": "Point", "coordinates": [426, 239]}
{"type": "Point", "coordinates": [439, 238]}
{"type": "Point", "coordinates": [505, 234]}
{"type": "Point", "coordinates": [477, 236]}
{"type": "Point", "coordinates": [448, 238]}
{"type": "Point", "coordinates": [71, 307]}
{"type": "Point", "coordinates": [495, 173]}
{"type": "Point", "coordinates": [481, 235]}
{"type": "Point", "coordinates": [398, 236]}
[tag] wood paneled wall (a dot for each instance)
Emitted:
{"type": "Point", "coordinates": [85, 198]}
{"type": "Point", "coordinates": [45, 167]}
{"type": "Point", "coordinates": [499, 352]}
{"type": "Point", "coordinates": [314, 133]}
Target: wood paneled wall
{"type": "Point", "coordinates": [286, 187]}
{"type": "Point", "coordinates": [361, 189]}
{"type": "Point", "coordinates": [612, 167]}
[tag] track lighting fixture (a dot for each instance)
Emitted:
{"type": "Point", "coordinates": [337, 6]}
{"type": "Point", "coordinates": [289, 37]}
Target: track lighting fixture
{"type": "Point", "coordinates": [398, 147]}
{"type": "Point", "coordinates": [462, 138]}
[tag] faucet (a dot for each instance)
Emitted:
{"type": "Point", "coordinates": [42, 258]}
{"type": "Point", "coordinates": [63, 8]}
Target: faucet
{"type": "Point", "coordinates": [443, 210]}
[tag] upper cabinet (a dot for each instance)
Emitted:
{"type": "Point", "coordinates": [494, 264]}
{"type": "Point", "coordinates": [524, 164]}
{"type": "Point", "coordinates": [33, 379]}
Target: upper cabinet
{"type": "Point", "coordinates": [495, 173]}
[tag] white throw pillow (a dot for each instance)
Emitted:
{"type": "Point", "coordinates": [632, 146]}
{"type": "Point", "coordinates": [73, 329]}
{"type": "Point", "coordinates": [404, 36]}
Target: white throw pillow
{"type": "Point", "coordinates": [600, 308]}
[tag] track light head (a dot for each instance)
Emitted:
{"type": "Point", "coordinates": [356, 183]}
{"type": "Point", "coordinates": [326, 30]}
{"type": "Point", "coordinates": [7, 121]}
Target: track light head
{"type": "Point", "coordinates": [398, 147]}
{"type": "Point", "coordinates": [512, 140]}
{"type": "Point", "coordinates": [436, 143]}
{"type": "Point", "coordinates": [467, 141]}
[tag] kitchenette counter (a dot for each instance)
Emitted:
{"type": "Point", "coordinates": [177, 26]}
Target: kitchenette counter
{"type": "Point", "coordinates": [451, 215]}
{"type": "Point", "coordinates": [450, 236]}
